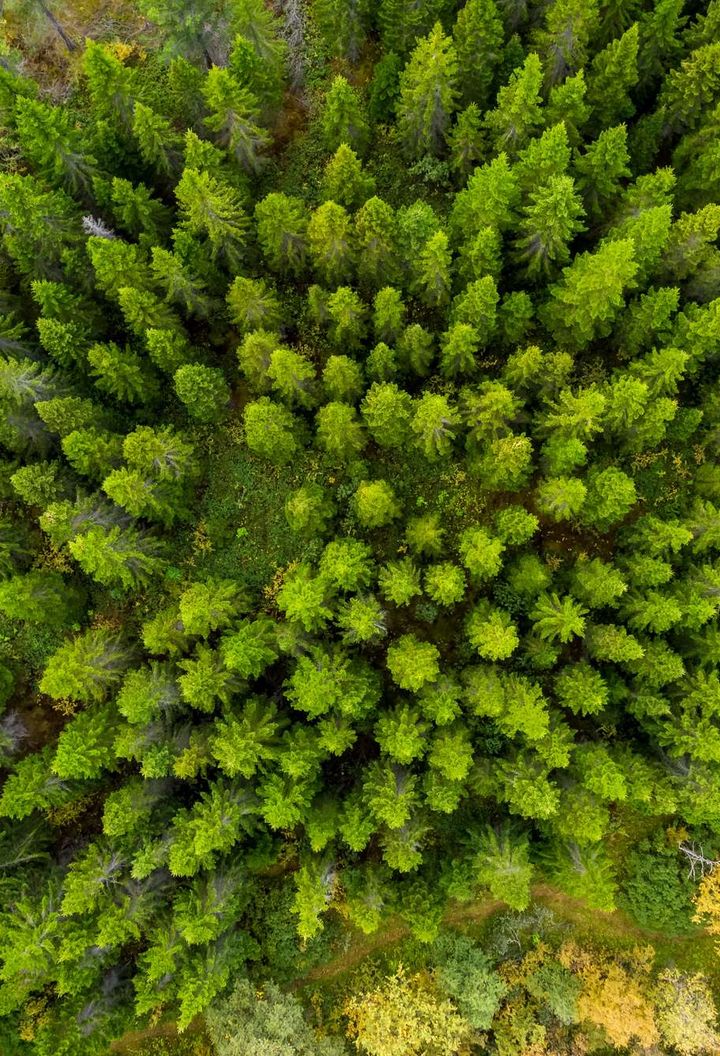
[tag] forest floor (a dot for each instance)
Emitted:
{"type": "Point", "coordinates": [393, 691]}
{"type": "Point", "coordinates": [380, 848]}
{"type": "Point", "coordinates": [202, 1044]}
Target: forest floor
{"type": "Point", "coordinates": [694, 951]}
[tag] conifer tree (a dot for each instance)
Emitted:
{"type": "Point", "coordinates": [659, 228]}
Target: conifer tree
{"type": "Point", "coordinates": [270, 430]}
{"type": "Point", "coordinates": [159, 145]}
{"type": "Point", "coordinates": [234, 118]}
{"type": "Point", "coordinates": [203, 390]}
{"type": "Point", "coordinates": [111, 84]}
{"type": "Point", "coordinates": [376, 240]}
{"type": "Point", "coordinates": [344, 120]}
{"type": "Point", "coordinates": [194, 29]}
{"type": "Point", "coordinates": [343, 24]}
{"type": "Point", "coordinates": [118, 556]}
{"type": "Point", "coordinates": [403, 21]}
{"type": "Point", "coordinates": [566, 103]}
{"type": "Point", "coordinates": [330, 240]}
{"type": "Point", "coordinates": [591, 292]}
{"type": "Point", "coordinates": [253, 305]}
{"type": "Point", "coordinates": [282, 228]}
{"type": "Point", "coordinates": [465, 141]}
{"type": "Point", "coordinates": [517, 112]}
{"type": "Point", "coordinates": [432, 274]}
{"type": "Point", "coordinates": [388, 314]}
{"type": "Point", "coordinates": [344, 181]}
{"type": "Point", "coordinates": [548, 226]}
{"type": "Point", "coordinates": [478, 35]}
{"type": "Point", "coordinates": [211, 207]}
{"type": "Point", "coordinates": [563, 43]}
{"type": "Point", "coordinates": [428, 95]}
{"type": "Point", "coordinates": [612, 75]}
{"type": "Point", "coordinates": [53, 146]}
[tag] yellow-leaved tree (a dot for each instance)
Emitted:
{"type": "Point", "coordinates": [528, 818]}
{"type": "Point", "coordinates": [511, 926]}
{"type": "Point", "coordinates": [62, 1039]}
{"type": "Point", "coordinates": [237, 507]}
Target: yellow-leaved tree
{"type": "Point", "coordinates": [707, 902]}
{"type": "Point", "coordinates": [614, 994]}
{"type": "Point", "coordinates": [686, 1013]}
{"type": "Point", "coordinates": [406, 1016]}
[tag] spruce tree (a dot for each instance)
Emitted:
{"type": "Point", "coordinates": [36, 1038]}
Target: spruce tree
{"type": "Point", "coordinates": [428, 95]}
{"type": "Point", "coordinates": [478, 35]}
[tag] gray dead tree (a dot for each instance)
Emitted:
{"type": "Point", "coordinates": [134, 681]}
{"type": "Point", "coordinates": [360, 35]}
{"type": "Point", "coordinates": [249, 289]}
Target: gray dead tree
{"type": "Point", "coordinates": [699, 864]}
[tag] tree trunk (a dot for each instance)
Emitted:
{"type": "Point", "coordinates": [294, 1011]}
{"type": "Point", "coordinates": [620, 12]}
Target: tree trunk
{"type": "Point", "coordinates": [67, 40]}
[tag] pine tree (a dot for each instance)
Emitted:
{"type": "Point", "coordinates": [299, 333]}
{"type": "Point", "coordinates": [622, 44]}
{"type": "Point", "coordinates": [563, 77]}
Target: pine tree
{"type": "Point", "coordinates": [344, 119]}
{"type": "Point", "coordinates": [399, 582]}
{"type": "Point", "coordinates": [434, 424]}
{"type": "Point", "coordinates": [343, 379]}
{"type": "Point", "coordinates": [347, 315]}
{"type": "Point", "coordinates": [477, 306]}
{"type": "Point", "coordinates": [181, 287]}
{"type": "Point", "coordinates": [416, 348]}
{"type": "Point", "coordinates": [591, 292]}
{"type": "Point", "coordinates": [37, 225]}
{"type": "Point", "coordinates": [388, 314]}
{"type": "Point", "coordinates": [112, 85]}
{"type": "Point", "coordinates": [376, 241]}
{"type": "Point", "coordinates": [203, 390]}
{"type": "Point", "coordinates": [118, 556]}
{"type": "Point", "coordinates": [549, 224]}
{"type": "Point", "coordinates": [465, 141]}
{"type": "Point", "coordinates": [412, 663]}
{"type": "Point", "coordinates": [601, 168]}
{"type": "Point", "coordinates": [282, 232]}
{"type": "Point", "coordinates": [194, 29]}
{"type": "Point", "coordinates": [309, 509]}
{"type": "Point", "coordinates": [87, 667]}
{"type": "Point", "coordinates": [253, 305]}
{"type": "Point", "coordinates": [487, 201]}
{"type": "Point", "coordinates": [375, 503]}
{"type": "Point", "coordinates": [54, 147]}
{"type": "Point", "coordinates": [254, 358]}
{"type": "Point", "coordinates": [688, 91]}
{"type": "Point", "coordinates": [428, 95]}
{"type": "Point", "coordinates": [339, 432]}
{"type": "Point", "coordinates": [479, 36]}
{"type": "Point", "coordinates": [659, 41]}
{"type": "Point", "coordinates": [330, 240]}
{"type": "Point", "coordinates": [458, 349]}
{"type": "Point", "coordinates": [270, 430]}
{"type": "Point", "coordinates": [91, 453]}
{"type": "Point", "coordinates": [566, 104]}
{"type": "Point", "coordinates": [259, 55]}
{"type": "Point", "coordinates": [159, 145]}
{"type": "Point", "coordinates": [403, 21]}
{"type": "Point", "coordinates": [343, 25]}
{"type": "Point", "coordinates": [544, 157]}
{"type": "Point", "coordinates": [234, 118]}
{"type": "Point", "coordinates": [433, 275]}
{"type": "Point", "coordinates": [517, 113]}
{"type": "Point", "coordinates": [563, 43]}
{"type": "Point", "coordinates": [292, 376]}
{"type": "Point", "coordinates": [384, 88]}
{"type": "Point", "coordinates": [386, 411]}
{"type": "Point", "coordinates": [344, 181]}
{"type": "Point", "coordinates": [213, 208]}
{"type": "Point", "coordinates": [122, 374]}
{"type": "Point", "coordinates": [613, 74]}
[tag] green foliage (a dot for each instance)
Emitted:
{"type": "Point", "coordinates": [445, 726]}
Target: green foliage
{"type": "Point", "coordinates": [412, 663]}
{"type": "Point", "coordinates": [203, 390]}
{"type": "Point", "coordinates": [343, 117]}
{"type": "Point", "coordinates": [360, 513]}
{"type": "Point", "coordinates": [428, 94]}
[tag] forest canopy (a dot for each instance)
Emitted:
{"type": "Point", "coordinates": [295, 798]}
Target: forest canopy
{"type": "Point", "coordinates": [359, 510]}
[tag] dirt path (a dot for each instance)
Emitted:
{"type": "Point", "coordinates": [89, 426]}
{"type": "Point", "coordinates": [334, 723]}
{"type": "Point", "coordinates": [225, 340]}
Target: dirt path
{"type": "Point", "coordinates": [694, 952]}
{"type": "Point", "coordinates": [603, 926]}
